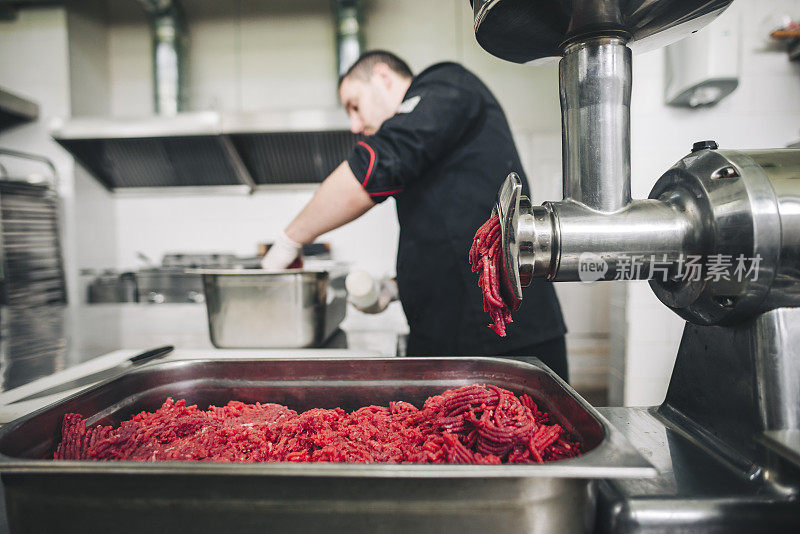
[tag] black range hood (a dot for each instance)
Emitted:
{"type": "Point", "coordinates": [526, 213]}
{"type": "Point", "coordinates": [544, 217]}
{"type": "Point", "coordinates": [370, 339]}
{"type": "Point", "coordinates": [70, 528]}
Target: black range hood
{"type": "Point", "coordinates": [176, 148]}
{"type": "Point", "coordinates": [15, 110]}
{"type": "Point", "coordinates": [209, 148]}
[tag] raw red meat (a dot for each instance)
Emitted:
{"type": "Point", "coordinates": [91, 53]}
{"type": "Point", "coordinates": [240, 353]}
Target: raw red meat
{"type": "Point", "coordinates": [472, 424]}
{"type": "Point", "coordinates": [485, 258]}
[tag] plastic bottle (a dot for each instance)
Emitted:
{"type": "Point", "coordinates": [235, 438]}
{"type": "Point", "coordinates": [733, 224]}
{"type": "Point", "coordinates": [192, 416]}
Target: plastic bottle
{"type": "Point", "coordinates": [362, 289]}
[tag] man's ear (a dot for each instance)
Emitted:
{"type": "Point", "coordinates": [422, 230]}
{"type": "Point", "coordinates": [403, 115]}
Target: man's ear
{"type": "Point", "coordinates": [384, 74]}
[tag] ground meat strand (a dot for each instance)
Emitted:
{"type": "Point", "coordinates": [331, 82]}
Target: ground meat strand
{"type": "Point", "coordinates": [473, 425]}
{"type": "Point", "coordinates": [486, 260]}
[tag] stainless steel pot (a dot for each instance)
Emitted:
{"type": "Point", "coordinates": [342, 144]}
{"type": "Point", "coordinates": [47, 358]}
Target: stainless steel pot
{"type": "Point", "coordinates": [113, 287]}
{"type": "Point", "coordinates": [249, 308]}
{"type": "Point", "coordinates": [162, 284]}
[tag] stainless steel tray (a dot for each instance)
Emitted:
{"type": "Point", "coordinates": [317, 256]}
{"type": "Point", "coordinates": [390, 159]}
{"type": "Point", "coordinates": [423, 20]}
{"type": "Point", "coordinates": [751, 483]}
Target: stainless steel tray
{"type": "Point", "coordinates": [71, 496]}
{"type": "Point", "coordinates": [293, 308]}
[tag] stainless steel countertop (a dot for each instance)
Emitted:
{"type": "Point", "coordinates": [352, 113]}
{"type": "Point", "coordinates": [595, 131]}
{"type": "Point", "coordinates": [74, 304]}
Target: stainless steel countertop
{"type": "Point", "coordinates": [98, 329]}
{"type": "Point", "coordinates": [695, 491]}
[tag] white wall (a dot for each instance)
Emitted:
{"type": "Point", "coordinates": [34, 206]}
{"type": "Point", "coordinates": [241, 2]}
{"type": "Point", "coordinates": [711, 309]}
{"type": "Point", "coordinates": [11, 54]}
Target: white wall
{"type": "Point", "coordinates": [250, 54]}
{"type": "Point", "coordinates": [89, 77]}
{"type": "Point", "coordinates": [236, 223]}
{"type": "Point", "coordinates": [763, 112]}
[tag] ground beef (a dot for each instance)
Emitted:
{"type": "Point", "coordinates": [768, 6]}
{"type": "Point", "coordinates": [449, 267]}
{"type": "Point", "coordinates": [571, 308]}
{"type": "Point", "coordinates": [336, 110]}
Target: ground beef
{"type": "Point", "coordinates": [472, 424]}
{"type": "Point", "coordinates": [485, 256]}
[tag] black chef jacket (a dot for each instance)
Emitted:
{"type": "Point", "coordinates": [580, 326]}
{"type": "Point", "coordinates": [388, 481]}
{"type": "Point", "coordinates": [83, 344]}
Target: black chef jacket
{"type": "Point", "coordinates": [443, 157]}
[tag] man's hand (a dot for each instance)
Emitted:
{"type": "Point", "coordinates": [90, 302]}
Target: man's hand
{"type": "Point", "coordinates": [281, 254]}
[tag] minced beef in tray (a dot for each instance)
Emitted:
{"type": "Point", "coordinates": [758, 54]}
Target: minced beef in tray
{"type": "Point", "coordinates": [473, 425]}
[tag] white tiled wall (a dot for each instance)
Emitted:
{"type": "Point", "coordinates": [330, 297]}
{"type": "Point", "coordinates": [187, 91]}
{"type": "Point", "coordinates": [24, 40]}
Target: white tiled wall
{"type": "Point", "coordinates": [236, 223]}
{"type": "Point", "coordinates": [130, 61]}
{"type": "Point", "coordinates": [763, 112]}
{"type": "Point", "coordinates": [250, 54]}
{"type": "Point", "coordinates": [89, 78]}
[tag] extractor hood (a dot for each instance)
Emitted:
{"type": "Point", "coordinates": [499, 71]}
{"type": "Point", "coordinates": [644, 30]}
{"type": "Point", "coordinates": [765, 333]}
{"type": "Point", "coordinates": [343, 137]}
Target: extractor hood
{"type": "Point", "coordinates": [209, 148]}
{"type": "Point", "coordinates": [15, 110]}
{"type": "Point", "coordinates": [178, 148]}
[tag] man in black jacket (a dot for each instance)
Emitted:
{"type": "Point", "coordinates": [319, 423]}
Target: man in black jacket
{"type": "Point", "coordinates": [439, 143]}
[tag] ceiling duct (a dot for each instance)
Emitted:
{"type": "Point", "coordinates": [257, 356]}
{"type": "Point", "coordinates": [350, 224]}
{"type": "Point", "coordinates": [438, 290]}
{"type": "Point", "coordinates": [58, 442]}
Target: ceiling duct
{"type": "Point", "coordinates": [168, 26]}
{"type": "Point", "coordinates": [176, 148]}
{"type": "Point", "coordinates": [349, 37]}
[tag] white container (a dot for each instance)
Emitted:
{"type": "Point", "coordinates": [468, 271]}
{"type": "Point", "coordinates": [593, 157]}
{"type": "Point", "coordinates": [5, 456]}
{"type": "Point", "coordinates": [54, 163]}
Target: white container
{"type": "Point", "coordinates": [362, 289]}
{"type": "Point", "coordinates": [703, 68]}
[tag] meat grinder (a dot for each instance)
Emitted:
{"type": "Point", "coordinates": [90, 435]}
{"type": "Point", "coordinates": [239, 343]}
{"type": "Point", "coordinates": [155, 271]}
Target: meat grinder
{"type": "Point", "coordinates": [718, 238]}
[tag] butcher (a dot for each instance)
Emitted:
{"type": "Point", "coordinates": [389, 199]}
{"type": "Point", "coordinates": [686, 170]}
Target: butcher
{"type": "Point", "coordinates": [439, 143]}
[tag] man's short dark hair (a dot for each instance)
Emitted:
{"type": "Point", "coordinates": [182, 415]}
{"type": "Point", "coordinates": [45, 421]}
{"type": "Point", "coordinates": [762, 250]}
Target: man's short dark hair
{"type": "Point", "coordinates": [362, 68]}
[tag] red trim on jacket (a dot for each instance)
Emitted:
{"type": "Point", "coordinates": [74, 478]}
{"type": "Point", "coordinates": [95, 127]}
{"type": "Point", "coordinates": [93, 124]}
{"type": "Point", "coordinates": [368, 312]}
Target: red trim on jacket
{"type": "Point", "coordinates": [384, 193]}
{"type": "Point", "coordinates": [371, 162]}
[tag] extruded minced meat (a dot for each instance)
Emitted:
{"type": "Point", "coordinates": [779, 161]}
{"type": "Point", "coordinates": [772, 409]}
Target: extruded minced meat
{"type": "Point", "coordinates": [486, 259]}
{"type": "Point", "coordinates": [473, 424]}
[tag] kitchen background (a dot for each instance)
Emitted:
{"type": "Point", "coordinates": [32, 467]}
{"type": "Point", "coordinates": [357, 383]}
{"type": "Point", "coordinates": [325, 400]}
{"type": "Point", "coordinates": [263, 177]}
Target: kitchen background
{"type": "Point", "coordinates": [93, 58]}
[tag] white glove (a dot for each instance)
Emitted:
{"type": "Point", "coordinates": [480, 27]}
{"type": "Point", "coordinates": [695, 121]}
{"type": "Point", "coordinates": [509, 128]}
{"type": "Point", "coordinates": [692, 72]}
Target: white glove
{"type": "Point", "coordinates": [367, 295]}
{"type": "Point", "coordinates": [281, 254]}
